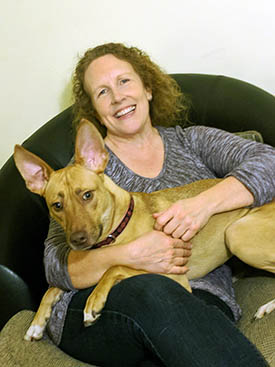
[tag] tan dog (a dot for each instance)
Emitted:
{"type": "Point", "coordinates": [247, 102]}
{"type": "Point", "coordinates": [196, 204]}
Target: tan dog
{"type": "Point", "coordinates": [91, 209]}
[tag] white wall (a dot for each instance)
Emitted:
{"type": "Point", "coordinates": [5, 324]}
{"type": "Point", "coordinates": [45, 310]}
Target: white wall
{"type": "Point", "coordinates": [41, 39]}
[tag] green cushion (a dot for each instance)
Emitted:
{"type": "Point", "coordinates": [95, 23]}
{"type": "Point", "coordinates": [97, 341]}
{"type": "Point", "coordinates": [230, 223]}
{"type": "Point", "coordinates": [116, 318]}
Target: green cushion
{"type": "Point", "coordinates": [252, 135]}
{"type": "Point", "coordinates": [15, 352]}
{"type": "Point", "coordinates": [251, 293]}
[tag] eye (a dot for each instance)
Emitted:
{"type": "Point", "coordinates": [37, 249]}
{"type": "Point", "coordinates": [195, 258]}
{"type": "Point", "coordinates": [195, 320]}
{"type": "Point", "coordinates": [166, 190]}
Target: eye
{"type": "Point", "coordinates": [88, 195]}
{"type": "Point", "coordinates": [102, 92]}
{"type": "Point", "coordinates": [57, 206]}
{"type": "Point", "coordinates": [124, 81]}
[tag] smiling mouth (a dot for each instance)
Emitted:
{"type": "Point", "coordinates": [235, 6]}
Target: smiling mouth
{"type": "Point", "coordinates": [125, 111]}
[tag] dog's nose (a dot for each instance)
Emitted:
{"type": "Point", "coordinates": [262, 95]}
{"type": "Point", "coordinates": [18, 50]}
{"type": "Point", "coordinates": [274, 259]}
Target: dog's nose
{"type": "Point", "coordinates": [79, 238]}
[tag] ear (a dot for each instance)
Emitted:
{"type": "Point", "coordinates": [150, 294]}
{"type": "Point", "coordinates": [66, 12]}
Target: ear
{"type": "Point", "coordinates": [33, 169]}
{"type": "Point", "coordinates": [89, 147]}
{"type": "Point", "coordinates": [149, 94]}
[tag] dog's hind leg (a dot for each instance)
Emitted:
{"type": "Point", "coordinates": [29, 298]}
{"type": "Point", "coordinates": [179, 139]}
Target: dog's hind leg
{"type": "Point", "coordinates": [35, 331]}
{"type": "Point", "coordinates": [252, 238]}
{"type": "Point", "coordinates": [98, 297]}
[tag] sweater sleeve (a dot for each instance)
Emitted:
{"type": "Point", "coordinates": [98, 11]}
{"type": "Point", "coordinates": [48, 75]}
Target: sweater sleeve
{"type": "Point", "coordinates": [55, 258]}
{"type": "Point", "coordinates": [226, 154]}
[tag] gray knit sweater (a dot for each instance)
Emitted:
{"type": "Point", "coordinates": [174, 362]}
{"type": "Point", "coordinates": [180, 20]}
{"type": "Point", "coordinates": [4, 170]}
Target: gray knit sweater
{"type": "Point", "coordinates": [191, 154]}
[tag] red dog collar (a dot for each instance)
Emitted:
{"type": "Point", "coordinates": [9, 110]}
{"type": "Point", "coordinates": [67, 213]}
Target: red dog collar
{"type": "Point", "coordinates": [112, 237]}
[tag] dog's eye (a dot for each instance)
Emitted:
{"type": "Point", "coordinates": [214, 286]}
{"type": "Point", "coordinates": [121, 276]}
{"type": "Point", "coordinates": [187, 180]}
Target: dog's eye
{"type": "Point", "coordinates": [57, 206]}
{"type": "Point", "coordinates": [87, 195]}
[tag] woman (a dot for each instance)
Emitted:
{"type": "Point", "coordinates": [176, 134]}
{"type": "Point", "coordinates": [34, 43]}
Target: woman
{"type": "Point", "coordinates": [149, 320]}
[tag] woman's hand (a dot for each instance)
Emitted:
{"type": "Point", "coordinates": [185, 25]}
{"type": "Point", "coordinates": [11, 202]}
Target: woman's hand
{"type": "Point", "coordinates": [183, 219]}
{"type": "Point", "coordinates": [157, 252]}
{"type": "Point", "coordinates": [154, 252]}
{"type": "Point", "coordinates": [186, 217]}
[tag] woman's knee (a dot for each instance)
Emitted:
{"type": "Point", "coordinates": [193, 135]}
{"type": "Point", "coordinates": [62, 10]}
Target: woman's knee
{"type": "Point", "coordinates": [144, 293]}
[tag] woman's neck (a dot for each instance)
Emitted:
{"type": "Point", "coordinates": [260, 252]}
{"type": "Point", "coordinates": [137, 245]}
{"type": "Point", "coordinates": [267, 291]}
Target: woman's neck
{"type": "Point", "coordinates": [140, 141]}
{"type": "Point", "coordinates": [144, 156]}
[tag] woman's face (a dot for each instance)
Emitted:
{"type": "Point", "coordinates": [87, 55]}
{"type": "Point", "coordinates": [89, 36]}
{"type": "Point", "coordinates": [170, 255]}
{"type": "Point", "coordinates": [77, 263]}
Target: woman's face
{"type": "Point", "coordinates": [118, 95]}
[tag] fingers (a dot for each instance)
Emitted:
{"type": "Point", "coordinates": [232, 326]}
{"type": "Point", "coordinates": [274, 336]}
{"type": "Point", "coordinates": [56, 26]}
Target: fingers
{"type": "Point", "coordinates": [182, 253]}
{"type": "Point", "coordinates": [177, 255]}
{"type": "Point", "coordinates": [179, 270]}
{"type": "Point", "coordinates": [174, 226]}
{"type": "Point", "coordinates": [167, 221]}
{"type": "Point", "coordinates": [188, 235]}
{"type": "Point", "coordinates": [171, 223]}
{"type": "Point", "coordinates": [181, 244]}
{"type": "Point", "coordinates": [161, 219]}
{"type": "Point", "coordinates": [180, 256]}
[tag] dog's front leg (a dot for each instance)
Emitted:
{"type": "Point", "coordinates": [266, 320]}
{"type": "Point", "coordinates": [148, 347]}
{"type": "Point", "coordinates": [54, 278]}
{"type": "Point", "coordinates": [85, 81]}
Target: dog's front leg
{"type": "Point", "coordinates": [35, 331]}
{"type": "Point", "coordinates": [97, 299]}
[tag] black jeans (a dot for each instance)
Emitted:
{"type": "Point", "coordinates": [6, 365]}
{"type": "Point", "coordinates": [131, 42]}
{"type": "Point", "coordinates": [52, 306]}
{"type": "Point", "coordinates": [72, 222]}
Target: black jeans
{"type": "Point", "coordinates": [150, 320]}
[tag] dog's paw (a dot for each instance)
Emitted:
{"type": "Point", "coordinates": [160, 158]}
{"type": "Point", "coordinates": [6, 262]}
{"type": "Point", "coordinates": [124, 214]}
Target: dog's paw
{"type": "Point", "coordinates": [93, 307]}
{"type": "Point", "coordinates": [90, 318]}
{"type": "Point", "coordinates": [34, 332]}
{"type": "Point", "coordinates": [265, 309]}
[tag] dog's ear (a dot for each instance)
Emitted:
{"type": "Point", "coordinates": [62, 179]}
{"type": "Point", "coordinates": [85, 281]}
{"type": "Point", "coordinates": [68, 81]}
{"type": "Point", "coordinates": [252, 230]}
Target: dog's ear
{"type": "Point", "coordinates": [33, 169]}
{"type": "Point", "coordinates": [89, 147]}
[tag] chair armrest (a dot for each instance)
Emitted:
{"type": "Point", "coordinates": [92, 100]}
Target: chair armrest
{"type": "Point", "coordinates": [15, 295]}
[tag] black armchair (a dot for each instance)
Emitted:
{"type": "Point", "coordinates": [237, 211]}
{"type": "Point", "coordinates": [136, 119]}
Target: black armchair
{"type": "Point", "coordinates": [219, 101]}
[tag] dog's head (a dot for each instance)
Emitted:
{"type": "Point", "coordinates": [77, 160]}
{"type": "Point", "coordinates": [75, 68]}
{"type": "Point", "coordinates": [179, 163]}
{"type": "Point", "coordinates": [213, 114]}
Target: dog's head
{"type": "Point", "coordinates": [75, 195]}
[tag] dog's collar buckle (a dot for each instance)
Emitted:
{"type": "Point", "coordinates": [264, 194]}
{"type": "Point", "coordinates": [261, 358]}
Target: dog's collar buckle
{"type": "Point", "coordinates": [112, 237]}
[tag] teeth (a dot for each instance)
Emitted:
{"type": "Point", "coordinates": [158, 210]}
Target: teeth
{"type": "Point", "coordinates": [125, 111]}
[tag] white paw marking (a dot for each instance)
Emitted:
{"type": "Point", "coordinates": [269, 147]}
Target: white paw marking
{"type": "Point", "coordinates": [265, 309]}
{"type": "Point", "coordinates": [90, 318]}
{"type": "Point", "coordinates": [34, 332]}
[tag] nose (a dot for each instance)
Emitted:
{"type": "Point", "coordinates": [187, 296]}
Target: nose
{"type": "Point", "coordinates": [117, 96]}
{"type": "Point", "coordinates": [78, 239]}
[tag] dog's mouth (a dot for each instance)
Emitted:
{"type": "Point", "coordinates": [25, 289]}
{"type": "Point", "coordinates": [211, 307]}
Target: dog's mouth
{"type": "Point", "coordinates": [80, 247]}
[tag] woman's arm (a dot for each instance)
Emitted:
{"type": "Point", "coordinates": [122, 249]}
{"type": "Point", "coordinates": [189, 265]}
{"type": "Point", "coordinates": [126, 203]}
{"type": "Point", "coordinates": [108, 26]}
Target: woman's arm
{"type": "Point", "coordinates": [186, 217]}
{"type": "Point", "coordinates": [226, 154]}
{"type": "Point", "coordinates": [248, 169]}
{"type": "Point", "coordinates": [153, 252]}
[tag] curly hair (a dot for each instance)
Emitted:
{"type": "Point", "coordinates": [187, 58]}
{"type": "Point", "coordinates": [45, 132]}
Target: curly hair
{"type": "Point", "coordinates": [169, 105]}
